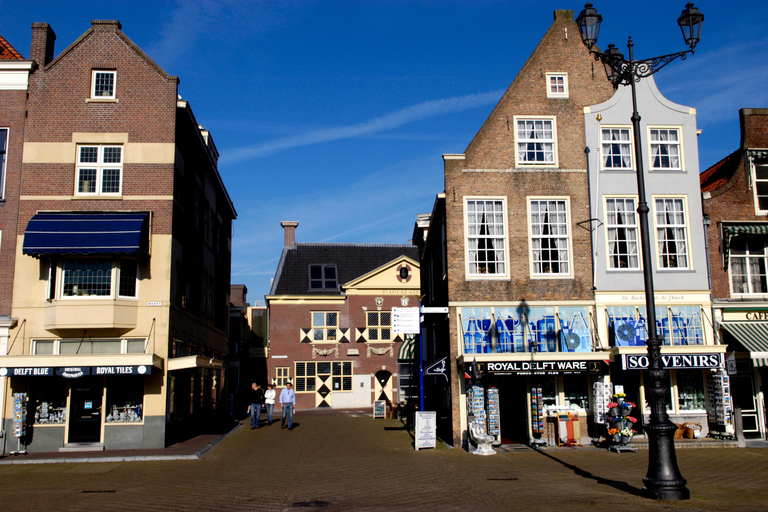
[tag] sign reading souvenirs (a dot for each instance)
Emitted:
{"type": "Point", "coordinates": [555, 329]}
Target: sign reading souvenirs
{"type": "Point", "coordinates": [74, 372]}
{"type": "Point", "coordinates": [543, 367]}
{"type": "Point", "coordinates": [674, 361]}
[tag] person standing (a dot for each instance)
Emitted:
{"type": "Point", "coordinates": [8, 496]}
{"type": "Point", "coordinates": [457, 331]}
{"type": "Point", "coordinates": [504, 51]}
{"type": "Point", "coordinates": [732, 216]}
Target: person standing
{"type": "Point", "coordinates": [269, 401]}
{"type": "Point", "coordinates": [288, 401]}
{"type": "Point", "coordinates": [257, 398]}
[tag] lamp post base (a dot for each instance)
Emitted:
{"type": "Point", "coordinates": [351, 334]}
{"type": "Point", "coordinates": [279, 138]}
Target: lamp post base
{"type": "Point", "coordinates": [663, 481]}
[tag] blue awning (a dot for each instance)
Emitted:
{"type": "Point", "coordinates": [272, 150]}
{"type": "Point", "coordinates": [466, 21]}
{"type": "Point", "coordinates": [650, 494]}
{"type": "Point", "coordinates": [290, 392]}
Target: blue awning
{"type": "Point", "coordinates": [87, 233]}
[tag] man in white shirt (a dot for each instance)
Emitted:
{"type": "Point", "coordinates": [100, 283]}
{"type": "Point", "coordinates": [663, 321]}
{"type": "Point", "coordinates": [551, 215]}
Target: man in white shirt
{"type": "Point", "coordinates": [288, 401]}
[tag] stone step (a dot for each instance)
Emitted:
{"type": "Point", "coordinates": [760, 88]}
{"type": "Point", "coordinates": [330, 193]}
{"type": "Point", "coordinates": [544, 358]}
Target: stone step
{"type": "Point", "coordinates": [82, 447]}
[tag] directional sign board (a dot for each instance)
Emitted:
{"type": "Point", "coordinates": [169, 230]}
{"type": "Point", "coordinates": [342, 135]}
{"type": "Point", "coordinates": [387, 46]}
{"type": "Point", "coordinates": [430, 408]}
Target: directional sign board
{"type": "Point", "coordinates": [405, 320]}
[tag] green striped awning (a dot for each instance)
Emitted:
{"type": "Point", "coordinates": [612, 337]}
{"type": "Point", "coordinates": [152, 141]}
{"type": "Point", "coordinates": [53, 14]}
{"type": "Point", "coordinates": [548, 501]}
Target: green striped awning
{"type": "Point", "coordinates": [407, 349]}
{"type": "Point", "coordinates": [731, 230]}
{"type": "Point", "coordinates": [754, 337]}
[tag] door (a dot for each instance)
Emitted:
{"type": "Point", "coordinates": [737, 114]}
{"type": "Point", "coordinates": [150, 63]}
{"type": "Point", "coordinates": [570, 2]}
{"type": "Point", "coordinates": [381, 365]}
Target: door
{"type": "Point", "coordinates": [85, 414]}
{"type": "Point", "coordinates": [383, 386]}
{"type": "Point", "coordinates": [744, 397]}
{"type": "Point", "coordinates": [323, 395]}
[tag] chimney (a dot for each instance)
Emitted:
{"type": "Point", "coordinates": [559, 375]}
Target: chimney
{"type": "Point", "coordinates": [290, 232]}
{"type": "Point", "coordinates": [41, 50]}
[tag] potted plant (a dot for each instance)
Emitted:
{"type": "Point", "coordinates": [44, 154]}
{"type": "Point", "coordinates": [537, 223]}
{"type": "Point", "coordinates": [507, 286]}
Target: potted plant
{"type": "Point", "coordinates": [620, 422]}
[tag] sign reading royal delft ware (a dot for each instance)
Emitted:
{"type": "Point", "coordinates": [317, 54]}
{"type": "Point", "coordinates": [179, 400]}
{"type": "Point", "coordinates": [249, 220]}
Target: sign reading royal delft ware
{"type": "Point", "coordinates": [544, 367]}
{"type": "Point", "coordinates": [674, 361]}
{"type": "Point", "coordinates": [74, 372]}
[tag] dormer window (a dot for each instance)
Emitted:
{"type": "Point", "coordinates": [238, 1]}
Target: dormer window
{"type": "Point", "coordinates": [103, 85]}
{"type": "Point", "coordinates": [323, 277]}
{"type": "Point", "coordinates": [557, 85]}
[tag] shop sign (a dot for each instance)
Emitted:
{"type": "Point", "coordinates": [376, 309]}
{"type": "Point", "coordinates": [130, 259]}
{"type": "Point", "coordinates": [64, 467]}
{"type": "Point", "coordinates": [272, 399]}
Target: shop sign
{"type": "Point", "coordinates": [120, 370]}
{"type": "Point", "coordinates": [26, 372]}
{"type": "Point", "coordinates": [545, 367]}
{"type": "Point", "coordinates": [438, 368]}
{"type": "Point", "coordinates": [674, 361]}
{"type": "Point", "coordinates": [75, 372]}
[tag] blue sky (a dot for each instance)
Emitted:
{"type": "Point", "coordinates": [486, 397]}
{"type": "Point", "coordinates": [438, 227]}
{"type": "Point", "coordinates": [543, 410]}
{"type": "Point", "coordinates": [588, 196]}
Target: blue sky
{"type": "Point", "coordinates": [336, 113]}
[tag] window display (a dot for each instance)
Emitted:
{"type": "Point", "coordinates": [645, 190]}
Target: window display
{"type": "Point", "coordinates": [690, 390]}
{"type": "Point", "coordinates": [576, 390]}
{"type": "Point", "coordinates": [125, 400]}
{"type": "Point", "coordinates": [49, 398]}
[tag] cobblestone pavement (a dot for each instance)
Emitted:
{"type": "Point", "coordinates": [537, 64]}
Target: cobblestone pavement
{"type": "Point", "coordinates": [348, 461]}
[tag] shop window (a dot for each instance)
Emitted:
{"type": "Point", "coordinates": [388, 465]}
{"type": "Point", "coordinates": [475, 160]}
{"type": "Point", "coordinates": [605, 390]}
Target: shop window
{"type": "Point", "coordinates": [476, 323]}
{"type": "Point", "coordinates": [542, 328]}
{"type": "Point", "coordinates": [548, 391]}
{"type": "Point", "coordinates": [379, 324]}
{"type": "Point", "coordinates": [671, 233]}
{"type": "Point", "coordinates": [682, 326]}
{"type": "Point", "coordinates": [690, 390]}
{"type": "Point", "coordinates": [125, 400]}
{"type": "Point", "coordinates": [510, 330]}
{"type": "Point", "coordinates": [535, 141]}
{"type": "Point", "coordinates": [486, 237]}
{"type": "Point", "coordinates": [325, 327]}
{"type": "Point", "coordinates": [621, 226]}
{"type": "Point", "coordinates": [48, 396]}
{"type": "Point", "coordinates": [616, 148]}
{"type": "Point", "coordinates": [748, 266]}
{"type": "Point", "coordinates": [323, 277]}
{"type": "Point", "coordinates": [576, 390]}
{"type": "Point", "coordinates": [550, 254]}
{"type": "Point", "coordinates": [282, 374]}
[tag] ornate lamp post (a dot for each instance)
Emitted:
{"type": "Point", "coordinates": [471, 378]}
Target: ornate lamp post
{"type": "Point", "coordinates": [663, 480]}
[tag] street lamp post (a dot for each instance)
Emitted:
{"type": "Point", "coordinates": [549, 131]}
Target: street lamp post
{"type": "Point", "coordinates": [663, 480]}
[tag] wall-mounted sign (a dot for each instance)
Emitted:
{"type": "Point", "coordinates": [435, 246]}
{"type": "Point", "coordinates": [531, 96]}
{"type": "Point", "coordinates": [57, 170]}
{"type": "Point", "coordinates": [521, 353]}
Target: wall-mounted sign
{"type": "Point", "coordinates": [75, 372]}
{"type": "Point", "coordinates": [674, 361]}
{"type": "Point", "coordinates": [598, 367]}
{"type": "Point", "coordinates": [438, 368]}
{"type": "Point", "coordinates": [406, 320]}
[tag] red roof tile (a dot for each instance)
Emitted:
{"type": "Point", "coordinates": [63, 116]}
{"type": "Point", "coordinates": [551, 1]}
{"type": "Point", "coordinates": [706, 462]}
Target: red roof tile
{"type": "Point", "coordinates": [716, 176]}
{"type": "Point", "coordinates": [8, 52]}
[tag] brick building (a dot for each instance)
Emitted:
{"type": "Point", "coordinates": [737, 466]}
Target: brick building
{"type": "Point", "coordinates": [508, 249]}
{"type": "Point", "coordinates": [330, 321]}
{"type": "Point", "coordinates": [735, 197]}
{"type": "Point", "coordinates": [14, 81]}
{"type": "Point", "coordinates": [123, 247]}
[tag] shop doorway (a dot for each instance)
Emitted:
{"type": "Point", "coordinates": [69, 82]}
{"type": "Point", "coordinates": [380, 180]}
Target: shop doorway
{"type": "Point", "coordinates": [513, 409]}
{"type": "Point", "coordinates": [85, 410]}
{"type": "Point", "coordinates": [383, 386]}
{"type": "Point", "coordinates": [743, 394]}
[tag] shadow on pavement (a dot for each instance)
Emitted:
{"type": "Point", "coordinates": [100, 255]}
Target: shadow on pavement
{"type": "Point", "coordinates": [616, 484]}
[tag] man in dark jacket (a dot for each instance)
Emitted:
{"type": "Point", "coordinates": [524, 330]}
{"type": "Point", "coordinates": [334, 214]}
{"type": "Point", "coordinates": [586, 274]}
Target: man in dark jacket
{"type": "Point", "coordinates": [257, 399]}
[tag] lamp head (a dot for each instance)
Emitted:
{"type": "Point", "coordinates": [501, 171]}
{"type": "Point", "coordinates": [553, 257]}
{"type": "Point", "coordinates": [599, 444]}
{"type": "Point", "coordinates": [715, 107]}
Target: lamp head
{"type": "Point", "coordinates": [589, 25]}
{"type": "Point", "coordinates": [690, 22]}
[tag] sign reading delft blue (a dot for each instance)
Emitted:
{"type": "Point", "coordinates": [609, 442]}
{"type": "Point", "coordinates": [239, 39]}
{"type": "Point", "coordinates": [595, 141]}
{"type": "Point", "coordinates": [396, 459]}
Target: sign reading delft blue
{"type": "Point", "coordinates": [74, 372]}
{"type": "Point", "coordinates": [675, 361]}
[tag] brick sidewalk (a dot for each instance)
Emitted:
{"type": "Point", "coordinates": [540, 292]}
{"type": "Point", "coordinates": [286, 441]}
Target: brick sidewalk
{"type": "Point", "coordinates": [348, 461]}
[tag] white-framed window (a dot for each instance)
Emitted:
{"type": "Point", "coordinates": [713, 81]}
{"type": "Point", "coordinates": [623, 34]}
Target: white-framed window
{"type": "Point", "coordinates": [325, 326]}
{"type": "Point", "coordinates": [89, 346]}
{"type": "Point", "coordinates": [323, 277]}
{"type": "Point", "coordinates": [340, 373]}
{"type": "Point", "coordinates": [93, 278]}
{"type": "Point", "coordinates": [550, 238]}
{"type": "Point", "coordinates": [748, 266]}
{"type": "Point", "coordinates": [103, 84]}
{"type": "Point", "coordinates": [282, 376]}
{"type": "Point", "coordinates": [535, 140]}
{"type": "Point", "coordinates": [99, 170]}
{"type": "Point", "coordinates": [761, 187]}
{"type": "Point", "coordinates": [486, 237]}
{"type": "Point", "coordinates": [666, 149]}
{"type": "Point", "coordinates": [3, 159]}
{"type": "Point", "coordinates": [616, 148]}
{"type": "Point", "coordinates": [379, 325]}
{"type": "Point", "coordinates": [621, 229]}
{"type": "Point", "coordinates": [557, 85]}
{"type": "Point", "coordinates": [671, 232]}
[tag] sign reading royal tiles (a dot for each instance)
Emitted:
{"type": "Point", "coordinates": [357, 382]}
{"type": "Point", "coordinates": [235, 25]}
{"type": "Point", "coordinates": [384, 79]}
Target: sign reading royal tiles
{"type": "Point", "coordinates": [675, 361]}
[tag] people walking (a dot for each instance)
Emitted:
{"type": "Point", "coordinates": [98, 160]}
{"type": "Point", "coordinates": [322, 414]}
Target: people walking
{"type": "Point", "coordinates": [257, 398]}
{"type": "Point", "coordinates": [269, 401]}
{"type": "Point", "coordinates": [288, 401]}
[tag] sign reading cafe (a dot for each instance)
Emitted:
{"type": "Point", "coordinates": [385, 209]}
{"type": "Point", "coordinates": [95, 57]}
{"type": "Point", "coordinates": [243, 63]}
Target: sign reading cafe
{"type": "Point", "coordinates": [675, 361]}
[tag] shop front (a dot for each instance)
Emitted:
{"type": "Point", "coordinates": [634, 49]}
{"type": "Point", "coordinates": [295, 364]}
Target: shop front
{"type": "Point", "coordinates": [76, 401]}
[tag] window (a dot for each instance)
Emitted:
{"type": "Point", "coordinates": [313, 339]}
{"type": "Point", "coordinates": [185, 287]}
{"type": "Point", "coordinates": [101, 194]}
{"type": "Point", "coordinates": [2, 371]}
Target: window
{"type": "Point", "coordinates": [535, 140]}
{"type": "Point", "coordinates": [99, 170]}
{"type": "Point", "coordinates": [339, 371]}
{"type": "Point", "coordinates": [690, 390]}
{"type": "Point", "coordinates": [486, 239]}
{"type": "Point", "coordinates": [621, 225]}
{"type": "Point", "coordinates": [93, 278]}
{"type": "Point", "coordinates": [89, 346]}
{"type": "Point", "coordinates": [665, 149]}
{"type": "Point", "coordinates": [616, 147]}
{"type": "Point", "coordinates": [670, 231]}
{"type": "Point", "coordinates": [549, 236]}
{"type": "Point", "coordinates": [282, 374]}
{"type": "Point", "coordinates": [557, 85]}
{"type": "Point", "coordinates": [379, 325]}
{"type": "Point", "coordinates": [3, 151]}
{"type": "Point", "coordinates": [103, 85]}
{"type": "Point", "coordinates": [761, 186]}
{"type": "Point", "coordinates": [748, 265]}
{"type": "Point", "coordinates": [325, 327]}
{"type": "Point", "coordinates": [323, 277]}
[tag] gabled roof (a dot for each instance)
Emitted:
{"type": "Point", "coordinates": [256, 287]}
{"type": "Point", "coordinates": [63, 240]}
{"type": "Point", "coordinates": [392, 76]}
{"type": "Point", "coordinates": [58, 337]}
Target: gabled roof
{"type": "Point", "coordinates": [352, 261]}
{"type": "Point", "coordinates": [8, 52]}
{"type": "Point", "coordinates": [717, 175]}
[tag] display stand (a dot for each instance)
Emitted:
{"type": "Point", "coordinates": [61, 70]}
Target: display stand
{"type": "Point", "coordinates": [19, 421]}
{"type": "Point", "coordinates": [568, 429]}
{"type": "Point", "coordinates": [719, 407]}
{"type": "Point", "coordinates": [494, 419]}
{"type": "Point", "coordinates": [538, 417]}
